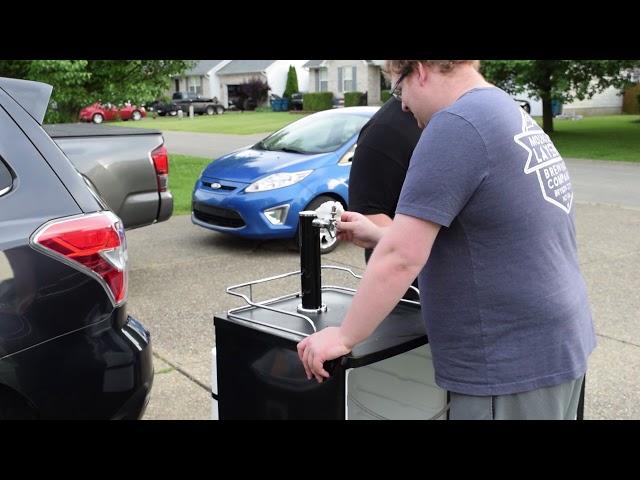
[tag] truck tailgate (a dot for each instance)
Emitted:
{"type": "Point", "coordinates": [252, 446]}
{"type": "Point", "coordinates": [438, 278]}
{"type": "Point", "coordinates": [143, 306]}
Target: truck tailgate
{"type": "Point", "coordinates": [118, 163]}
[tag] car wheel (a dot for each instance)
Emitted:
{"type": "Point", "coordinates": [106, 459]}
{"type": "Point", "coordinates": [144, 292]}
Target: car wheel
{"type": "Point", "coordinates": [136, 115]}
{"type": "Point", "coordinates": [219, 110]}
{"type": "Point", "coordinates": [327, 242]}
{"type": "Point", "coordinates": [97, 118]}
{"type": "Point", "coordinates": [210, 110]}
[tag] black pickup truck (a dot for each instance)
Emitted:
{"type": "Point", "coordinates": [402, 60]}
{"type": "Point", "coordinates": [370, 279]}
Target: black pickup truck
{"type": "Point", "coordinates": [201, 105]}
{"type": "Point", "coordinates": [162, 108]}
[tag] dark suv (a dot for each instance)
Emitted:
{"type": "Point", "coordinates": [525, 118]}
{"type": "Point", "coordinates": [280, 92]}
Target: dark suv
{"type": "Point", "coordinates": [68, 349]}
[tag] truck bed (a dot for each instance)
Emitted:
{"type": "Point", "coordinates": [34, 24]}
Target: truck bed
{"type": "Point", "coordinates": [118, 163]}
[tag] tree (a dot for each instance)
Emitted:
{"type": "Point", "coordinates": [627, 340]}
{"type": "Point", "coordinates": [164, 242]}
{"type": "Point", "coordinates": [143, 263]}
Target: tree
{"type": "Point", "coordinates": [563, 80]}
{"type": "Point", "coordinates": [77, 83]}
{"type": "Point", "coordinates": [292, 83]}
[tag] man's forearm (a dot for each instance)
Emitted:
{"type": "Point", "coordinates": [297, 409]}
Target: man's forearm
{"type": "Point", "coordinates": [385, 281]}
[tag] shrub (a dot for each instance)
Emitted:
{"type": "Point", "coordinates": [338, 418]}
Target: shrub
{"type": "Point", "coordinates": [254, 92]}
{"type": "Point", "coordinates": [317, 101]}
{"type": "Point", "coordinates": [385, 95]}
{"type": "Point", "coordinates": [353, 99]}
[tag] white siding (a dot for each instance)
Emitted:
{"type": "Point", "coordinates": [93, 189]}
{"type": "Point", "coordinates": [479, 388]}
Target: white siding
{"type": "Point", "coordinates": [214, 81]}
{"type": "Point", "coordinates": [278, 71]}
{"type": "Point", "coordinates": [605, 103]}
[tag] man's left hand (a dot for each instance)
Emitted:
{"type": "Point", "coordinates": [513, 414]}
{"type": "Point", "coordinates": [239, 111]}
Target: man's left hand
{"type": "Point", "coordinates": [316, 349]}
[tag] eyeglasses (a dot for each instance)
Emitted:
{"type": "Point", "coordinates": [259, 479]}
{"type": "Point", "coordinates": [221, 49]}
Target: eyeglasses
{"type": "Point", "coordinates": [395, 91]}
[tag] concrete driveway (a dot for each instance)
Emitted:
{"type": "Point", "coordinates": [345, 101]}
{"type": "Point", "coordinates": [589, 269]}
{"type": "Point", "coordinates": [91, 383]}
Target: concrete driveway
{"type": "Point", "coordinates": [207, 145]}
{"type": "Point", "coordinates": [179, 273]}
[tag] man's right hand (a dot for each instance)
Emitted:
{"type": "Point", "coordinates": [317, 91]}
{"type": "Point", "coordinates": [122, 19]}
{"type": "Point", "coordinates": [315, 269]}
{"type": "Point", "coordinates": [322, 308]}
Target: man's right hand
{"type": "Point", "coordinates": [358, 229]}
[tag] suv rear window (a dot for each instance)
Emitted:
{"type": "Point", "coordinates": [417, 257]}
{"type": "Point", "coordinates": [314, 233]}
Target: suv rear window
{"type": "Point", "coordinates": [6, 179]}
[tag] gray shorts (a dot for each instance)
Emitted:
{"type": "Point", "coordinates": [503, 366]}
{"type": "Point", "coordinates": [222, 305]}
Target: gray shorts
{"type": "Point", "coordinates": [559, 402]}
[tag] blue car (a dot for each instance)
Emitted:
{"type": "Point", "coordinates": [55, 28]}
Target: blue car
{"type": "Point", "coordinates": [257, 192]}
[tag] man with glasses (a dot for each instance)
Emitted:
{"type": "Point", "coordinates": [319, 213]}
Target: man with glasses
{"type": "Point", "coordinates": [380, 164]}
{"type": "Point", "coordinates": [486, 218]}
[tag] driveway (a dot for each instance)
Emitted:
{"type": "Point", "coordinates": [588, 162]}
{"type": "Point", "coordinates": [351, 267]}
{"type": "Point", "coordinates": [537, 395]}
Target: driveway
{"type": "Point", "coordinates": [179, 273]}
{"type": "Point", "coordinates": [207, 145]}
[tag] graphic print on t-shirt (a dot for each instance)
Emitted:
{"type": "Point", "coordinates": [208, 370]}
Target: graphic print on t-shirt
{"type": "Point", "coordinates": [545, 161]}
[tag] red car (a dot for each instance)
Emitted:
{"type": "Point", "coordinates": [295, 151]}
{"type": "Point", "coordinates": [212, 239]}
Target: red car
{"type": "Point", "coordinates": [101, 112]}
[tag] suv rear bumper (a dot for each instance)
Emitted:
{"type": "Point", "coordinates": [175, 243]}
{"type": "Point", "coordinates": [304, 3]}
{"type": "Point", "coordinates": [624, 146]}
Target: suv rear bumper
{"type": "Point", "coordinates": [104, 371]}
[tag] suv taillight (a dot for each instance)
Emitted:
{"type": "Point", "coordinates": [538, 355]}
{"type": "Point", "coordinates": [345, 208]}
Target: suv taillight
{"type": "Point", "coordinates": [93, 243]}
{"type": "Point", "coordinates": [160, 159]}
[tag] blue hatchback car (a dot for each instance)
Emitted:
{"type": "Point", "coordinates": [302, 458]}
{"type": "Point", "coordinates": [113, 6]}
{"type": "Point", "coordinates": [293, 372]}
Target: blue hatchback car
{"type": "Point", "coordinates": [257, 192]}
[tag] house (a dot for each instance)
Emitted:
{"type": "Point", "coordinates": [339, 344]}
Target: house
{"type": "Point", "coordinates": [222, 78]}
{"type": "Point", "coordinates": [611, 101]}
{"type": "Point", "coordinates": [340, 76]}
{"type": "Point", "coordinates": [607, 102]}
{"type": "Point", "coordinates": [201, 79]}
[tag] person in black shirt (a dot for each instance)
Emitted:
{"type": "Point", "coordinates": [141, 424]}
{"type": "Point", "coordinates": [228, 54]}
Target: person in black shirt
{"type": "Point", "coordinates": [379, 165]}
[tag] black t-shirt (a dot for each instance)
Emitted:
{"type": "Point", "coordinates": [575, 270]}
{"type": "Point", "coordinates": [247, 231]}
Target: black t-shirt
{"type": "Point", "coordinates": [381, 160]}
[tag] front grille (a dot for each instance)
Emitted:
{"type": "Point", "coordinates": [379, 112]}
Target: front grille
{"type": "Point", "coordinates": [221, 217]}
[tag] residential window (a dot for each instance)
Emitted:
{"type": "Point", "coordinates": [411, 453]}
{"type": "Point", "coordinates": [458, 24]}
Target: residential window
{"type": "Point", "coordinates": [324, 82]}
{"type": "Point", "coordinates": [346, 79]}
{"type": "Point", "coordinates": [195, 85]}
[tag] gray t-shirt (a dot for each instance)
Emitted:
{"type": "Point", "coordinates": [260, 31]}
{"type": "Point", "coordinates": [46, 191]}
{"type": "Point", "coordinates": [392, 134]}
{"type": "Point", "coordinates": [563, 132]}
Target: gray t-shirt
{"type": "Point", "coordinates": [503, 299]}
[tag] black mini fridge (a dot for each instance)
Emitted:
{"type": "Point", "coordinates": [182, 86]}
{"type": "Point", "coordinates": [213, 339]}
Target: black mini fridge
{"type": "Point", "coordinates": [256, 372]}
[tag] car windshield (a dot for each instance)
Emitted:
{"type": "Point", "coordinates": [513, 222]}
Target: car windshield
{"type": "Point", "coordinates": [318, 133]}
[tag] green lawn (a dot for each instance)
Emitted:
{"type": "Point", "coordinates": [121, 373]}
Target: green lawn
{"type": "Point", "coordinates": [615, 137]}
{"type": "Point", "coordinates": [239, 123]}
{"type": "Point", "coordinates": [184, 170]}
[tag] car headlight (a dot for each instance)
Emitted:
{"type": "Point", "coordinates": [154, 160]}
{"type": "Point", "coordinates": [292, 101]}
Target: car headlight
{"type": "Point", "coordinates": [277, 180]}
